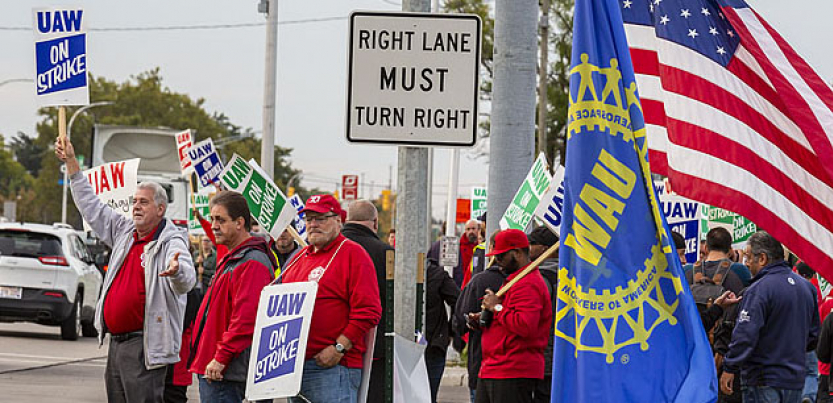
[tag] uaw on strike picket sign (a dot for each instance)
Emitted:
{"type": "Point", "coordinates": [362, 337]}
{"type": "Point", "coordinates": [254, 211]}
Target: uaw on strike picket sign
{"type": "Point", "coordinates": [280, 340]}
{"type": "Point", "coordinates": [413, 78]}
{"type": "Point", "coordinates": [184, 141]}
{"type": "Point", "coordinates": [60, 56]}
{"type": "Point", "coordinates": [115, 184]}
{"type": "Point", "coordinates": [529, 196]}
{"type": "Point", "coordinates": [683, 216]}
{"type": "Point", "coordinates": [266, 202]}
{"type": "Point", "coordinates": [206, 162]}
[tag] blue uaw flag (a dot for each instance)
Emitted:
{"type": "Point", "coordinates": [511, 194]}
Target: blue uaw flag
{"type": "Point", "coordinates": [626, 327]}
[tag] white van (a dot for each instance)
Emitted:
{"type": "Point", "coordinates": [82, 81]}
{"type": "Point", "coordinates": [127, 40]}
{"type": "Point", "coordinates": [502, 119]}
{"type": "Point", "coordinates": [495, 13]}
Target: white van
{"type": "Point", "coordinates": [160, 161]}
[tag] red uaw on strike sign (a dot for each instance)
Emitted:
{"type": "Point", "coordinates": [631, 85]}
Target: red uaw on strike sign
{"type": "Point", "coordinates": [184, 141]}
{"type": "Point", "coordinates": [350, 187]}
{"type": "Point", "coordinates": [413, 78]}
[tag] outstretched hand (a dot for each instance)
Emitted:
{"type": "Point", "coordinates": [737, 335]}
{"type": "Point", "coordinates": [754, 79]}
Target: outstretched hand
{"type": "Point", "coordinates": [173, 267]}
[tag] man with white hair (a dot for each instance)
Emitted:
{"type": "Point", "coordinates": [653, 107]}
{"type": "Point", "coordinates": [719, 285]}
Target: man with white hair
{"type": "Point", "coordinates": [347, 305]}
{"type": "Point", "coordinates": [143, 299]}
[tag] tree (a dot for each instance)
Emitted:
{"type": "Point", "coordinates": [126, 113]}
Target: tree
{"type": "Point", "coordinates": [142, 100]}
{"type": "Point", "coordinates": [13, 176]}
{"type": "Point", "coordinates": [558, 80]}
{"type": "Point", "coordinates": [558, 88]}
{"type": "Point", "coordinates": [27, 152]}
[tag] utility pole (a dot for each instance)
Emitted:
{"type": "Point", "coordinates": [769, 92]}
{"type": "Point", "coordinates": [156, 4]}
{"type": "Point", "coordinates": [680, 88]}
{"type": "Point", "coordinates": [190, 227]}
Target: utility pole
{"type": "Point", "coordinates": [267, 147]}
{"type": "Point", "coordinates": [542, 76]}
{"type": "Point", "coordinates": [411, 220]}
{"type": "Point", "coordinates": [512, 138]}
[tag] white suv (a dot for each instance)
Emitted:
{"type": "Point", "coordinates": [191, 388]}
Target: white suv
{"type": "Point", "coordinates": [47, 276]}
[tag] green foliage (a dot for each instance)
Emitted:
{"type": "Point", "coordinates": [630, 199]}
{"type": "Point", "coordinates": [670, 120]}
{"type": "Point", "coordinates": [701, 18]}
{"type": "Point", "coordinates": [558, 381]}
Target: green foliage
{"type": "Point", "coordinates": [558, 80]}
{"type": "Point", "coordinates": [560, 48]}
{"type": "Point", "coordinates": [143, 100]}
{"type": "Point", "coordinates": [27, 152]}
{"type": "Point", "coordinates": [13, 176]}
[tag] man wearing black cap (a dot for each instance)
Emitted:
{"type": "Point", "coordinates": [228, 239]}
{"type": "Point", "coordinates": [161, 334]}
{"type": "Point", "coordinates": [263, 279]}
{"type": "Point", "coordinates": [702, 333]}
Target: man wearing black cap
{"type": "Point", "coordinates": [513, 343]}
{"type": "Point", "coordinates": [541, 239]}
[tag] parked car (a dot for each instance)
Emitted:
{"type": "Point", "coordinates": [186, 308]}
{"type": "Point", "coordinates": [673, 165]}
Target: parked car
{"type": "Point", "coordinates": [48, 276]}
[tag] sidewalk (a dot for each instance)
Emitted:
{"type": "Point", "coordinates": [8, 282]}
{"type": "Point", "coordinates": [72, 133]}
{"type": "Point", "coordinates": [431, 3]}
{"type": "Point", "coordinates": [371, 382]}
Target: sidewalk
{"type": "Point", "coordinates": [455, 376]}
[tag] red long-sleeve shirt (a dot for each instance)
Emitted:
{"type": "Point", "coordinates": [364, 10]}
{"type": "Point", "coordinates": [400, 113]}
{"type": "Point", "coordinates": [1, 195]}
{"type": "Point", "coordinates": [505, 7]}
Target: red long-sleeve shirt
{"type": "Point", "coordinates": [513, 345]}
{"type": "Point", "coordinates": [232, 308]}
{"type": "Point", "coordinates": [348, 296]}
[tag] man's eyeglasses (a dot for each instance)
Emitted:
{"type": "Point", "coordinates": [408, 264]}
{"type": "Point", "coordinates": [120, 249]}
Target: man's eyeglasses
{"type": "Point", "coordinates": [318, 220]}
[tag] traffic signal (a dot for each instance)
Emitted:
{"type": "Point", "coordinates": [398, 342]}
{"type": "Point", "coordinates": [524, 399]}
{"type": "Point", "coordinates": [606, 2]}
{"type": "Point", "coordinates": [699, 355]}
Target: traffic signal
{"type": "Point", "coordinates": [385, 199]}
{"type": "Point", "coordinates": [290, 191]}
{"type": "Point", "coordinates": [335, 194]}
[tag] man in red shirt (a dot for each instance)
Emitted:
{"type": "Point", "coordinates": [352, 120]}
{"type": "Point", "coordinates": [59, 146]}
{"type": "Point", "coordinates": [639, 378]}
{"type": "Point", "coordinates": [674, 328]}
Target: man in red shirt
{"type": "Point", "coordinates": [143, 298]}
{"type": "Point", "coordinates": [347, 305]}
{"type": "Point", "coordinates": [226, 319]}
{"type": "Point", "coordinates": [513, 343]}
{"type": "Point", "coordinates": [469, 240]}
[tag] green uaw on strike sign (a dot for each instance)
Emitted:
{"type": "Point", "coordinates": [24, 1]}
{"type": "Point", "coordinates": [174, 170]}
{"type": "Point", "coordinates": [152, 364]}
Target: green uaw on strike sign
{"type": "Point", "coordinates": [267, 203]}
{"type": "Point", "coordinates": [526, 201]}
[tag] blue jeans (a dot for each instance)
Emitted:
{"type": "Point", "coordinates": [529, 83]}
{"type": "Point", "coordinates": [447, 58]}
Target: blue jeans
{"type": "Point", "coordinates": [338, 384]}
{"type": "Point", "coordinates": [811, 380]}
{"type": "Point", "coordinates": [221, 391]}
{"type": "Point", "coordinates": [768, 394]}
{"type": "Point", "coordinates": [472, 394]}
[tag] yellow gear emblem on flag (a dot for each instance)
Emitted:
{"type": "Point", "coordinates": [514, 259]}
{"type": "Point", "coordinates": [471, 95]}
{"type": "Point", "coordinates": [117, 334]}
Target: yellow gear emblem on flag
{"type": "Point", "coordinates": [607, 312]}
{"type": "Point", "coordinates": [597, 114]}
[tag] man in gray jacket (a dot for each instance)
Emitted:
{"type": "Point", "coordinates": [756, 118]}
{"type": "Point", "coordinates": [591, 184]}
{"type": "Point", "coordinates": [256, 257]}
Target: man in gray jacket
{"type": "Point", "coordinates": [144, 294]}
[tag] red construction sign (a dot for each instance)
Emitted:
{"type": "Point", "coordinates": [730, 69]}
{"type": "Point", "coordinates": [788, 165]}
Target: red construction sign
{"type": "Point", "coordinates": [463, 210]}
{"type": "Point", "coordinates": [350, 187]}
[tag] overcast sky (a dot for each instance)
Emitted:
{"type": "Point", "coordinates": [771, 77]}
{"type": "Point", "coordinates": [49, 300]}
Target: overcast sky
{"type": "Point", "coordinates": [226, 67]}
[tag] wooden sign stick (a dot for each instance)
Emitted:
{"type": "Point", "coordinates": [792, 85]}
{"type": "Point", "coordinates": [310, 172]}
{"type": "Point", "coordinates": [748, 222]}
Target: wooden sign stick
{"type": "Point", "coordinates": [296, 235]}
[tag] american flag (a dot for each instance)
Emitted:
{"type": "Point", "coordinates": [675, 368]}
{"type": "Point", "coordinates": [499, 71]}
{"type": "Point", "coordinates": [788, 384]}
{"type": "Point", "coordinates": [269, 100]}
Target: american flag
{"type": "Point", "coordinates": [736, 118]}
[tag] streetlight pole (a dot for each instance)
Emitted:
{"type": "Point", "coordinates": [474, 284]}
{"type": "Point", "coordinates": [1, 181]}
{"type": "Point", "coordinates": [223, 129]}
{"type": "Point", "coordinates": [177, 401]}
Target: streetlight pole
{"type": "Point", "coordinates": [69, 136]}
{"type": "Point", "coordinates": [267, 149]}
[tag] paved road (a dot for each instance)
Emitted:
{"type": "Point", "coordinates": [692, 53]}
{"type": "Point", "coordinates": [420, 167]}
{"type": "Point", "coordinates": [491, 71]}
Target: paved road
{"type": "Point", "coordinates": [37, 366]}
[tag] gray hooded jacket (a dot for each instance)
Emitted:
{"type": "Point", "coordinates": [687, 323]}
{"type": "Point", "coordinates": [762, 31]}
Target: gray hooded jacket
{"type": "Point", "coordinates": [165, 296]}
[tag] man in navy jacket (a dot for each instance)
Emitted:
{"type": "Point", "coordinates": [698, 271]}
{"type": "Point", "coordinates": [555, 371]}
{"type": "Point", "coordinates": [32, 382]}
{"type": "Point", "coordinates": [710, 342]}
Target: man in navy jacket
{"type": "Point", "coordinates": [777, 324]}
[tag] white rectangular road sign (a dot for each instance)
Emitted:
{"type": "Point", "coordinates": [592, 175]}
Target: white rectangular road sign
{"type": "Point", "coordinates": [413, 78]}
{"type": "Point", "coordinates": [61, 56]}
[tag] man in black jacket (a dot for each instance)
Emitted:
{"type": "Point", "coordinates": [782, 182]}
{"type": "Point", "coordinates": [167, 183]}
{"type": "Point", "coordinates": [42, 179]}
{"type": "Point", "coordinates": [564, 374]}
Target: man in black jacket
{"type": "Point", "coordinates": [440, 289]}
{"type": "Point", "coordinates": [360, 227]}
{"type": "Point", "coordinates": [469, 303]}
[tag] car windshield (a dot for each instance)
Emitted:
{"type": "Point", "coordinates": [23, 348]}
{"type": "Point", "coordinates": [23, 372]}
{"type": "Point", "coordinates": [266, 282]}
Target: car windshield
{"type": "Point", "coordinates": [29, 244]}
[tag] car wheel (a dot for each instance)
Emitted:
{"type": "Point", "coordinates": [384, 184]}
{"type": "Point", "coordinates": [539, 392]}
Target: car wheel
{"type": "Point", "coordinates": [71, 326]}
{"type": "Point", "coordinates": [88, 327]}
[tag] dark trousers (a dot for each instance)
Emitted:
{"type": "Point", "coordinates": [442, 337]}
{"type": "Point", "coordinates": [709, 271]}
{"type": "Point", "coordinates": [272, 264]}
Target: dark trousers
{"type": "Point", "coordinates": [376, 389]}
{"type": "Point", "coordinates": [174, 393]}
{"type": "Point", "coordinates": [435, 364]}
{"type": "Point", "coordinates": [542, 389]}
{"type": "Point", "coordinates": [824, 389]}
{"type": "Point", "coordinates": [126, 378]}
{"type": "Point", "coordinates": [519, 390]}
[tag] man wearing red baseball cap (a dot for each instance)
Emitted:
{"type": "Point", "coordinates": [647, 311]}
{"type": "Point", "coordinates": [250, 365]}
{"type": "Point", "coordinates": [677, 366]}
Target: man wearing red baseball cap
{"type": "Point", "coordinates": [347, 305]}
{"type": "Point", "coordinates": [513, 343]}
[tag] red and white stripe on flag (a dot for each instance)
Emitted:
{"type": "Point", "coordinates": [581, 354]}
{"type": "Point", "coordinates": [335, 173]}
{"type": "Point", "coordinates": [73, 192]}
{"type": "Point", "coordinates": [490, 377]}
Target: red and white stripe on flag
{"type": "Point", "coordinates": [753, 137]}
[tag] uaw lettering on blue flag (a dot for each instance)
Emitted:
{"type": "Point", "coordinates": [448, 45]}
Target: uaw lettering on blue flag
{"type": "Point", "coordinates": [280, 340]}
{"type": "Point", "coordinates": [60, 56]}
{"type": "Point", "coordinates": [626, 327]}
